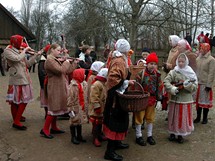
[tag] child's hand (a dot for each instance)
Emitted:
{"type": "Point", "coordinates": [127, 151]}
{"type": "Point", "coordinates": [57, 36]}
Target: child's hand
{"type": "Point", "coordinates": [131, 82]}
{"type": "Point", "coordinates": [158, 106]}
{"type": "Point", "coordinates": [174, 90]}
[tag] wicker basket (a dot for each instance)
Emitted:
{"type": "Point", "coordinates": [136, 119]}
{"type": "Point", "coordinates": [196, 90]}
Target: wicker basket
{"type": "Point", "coordinates": [134, 100]}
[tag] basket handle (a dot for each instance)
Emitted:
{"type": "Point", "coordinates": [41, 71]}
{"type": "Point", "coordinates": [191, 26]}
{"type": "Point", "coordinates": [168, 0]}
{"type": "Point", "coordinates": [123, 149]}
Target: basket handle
{"type": "Point", "coordinates": [140, 86]}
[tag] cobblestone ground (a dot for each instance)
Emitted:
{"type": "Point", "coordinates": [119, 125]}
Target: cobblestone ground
{"type": "Point", "coordinates": [29, 146]}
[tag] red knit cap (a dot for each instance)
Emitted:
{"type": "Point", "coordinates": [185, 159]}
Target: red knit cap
{"type": "Point", "coordinates": [152, 58]}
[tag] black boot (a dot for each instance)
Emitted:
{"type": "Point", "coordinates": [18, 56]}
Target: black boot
{"type": "Point", "coordinates": [110, 153]}
{"type": "Point", "coordinates": [73, 135]}
{"type": "Point", "coordinates": [79, 134]}
{"type": "Point", "coordinates": [205, 116]}
{"type": "Point", "coordinates": [198, 118]}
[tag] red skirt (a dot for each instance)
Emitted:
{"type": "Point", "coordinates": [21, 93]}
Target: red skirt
{"type": "Point", "coordinates": [204, 99]}
{"type": "Point", "coordinates": [180, 119]}
{"type": "Point", "coordinates": [19, 94]}
{"type": "Point", "coordinates": [112, 135]}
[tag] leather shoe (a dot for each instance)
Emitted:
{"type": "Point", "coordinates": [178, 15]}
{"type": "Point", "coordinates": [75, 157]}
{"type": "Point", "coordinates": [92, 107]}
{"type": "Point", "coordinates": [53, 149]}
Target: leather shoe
{"type": "Point", "coordinates": [205, 121]}
{"type": "Point", "coordinates": [180, 139]}
{"type": "Point", "coordinates": [113, 156]}
{"type": "Point", "coordinates": [19, 127]}
{"type": "Point", "coordinates": [120, 145]}
{"type": "Point", "coordinates": [46, 136]}
{"type": "Point", "coordinates": [52, 131]}
{"type": "Point", "coordinates": [171, 137]}
{"type": "Point", "coordinates": [140, 141]}
{"type": "Point", "coordinates": [151, 141]}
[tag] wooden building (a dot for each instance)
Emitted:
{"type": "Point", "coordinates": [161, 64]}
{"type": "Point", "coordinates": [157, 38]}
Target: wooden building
{"type": "Point", "coordinates": [9, 26]}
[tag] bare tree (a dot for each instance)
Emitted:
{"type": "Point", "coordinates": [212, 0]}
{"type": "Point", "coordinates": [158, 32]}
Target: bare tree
{"type": "Point", "coordinates": [26, 12]}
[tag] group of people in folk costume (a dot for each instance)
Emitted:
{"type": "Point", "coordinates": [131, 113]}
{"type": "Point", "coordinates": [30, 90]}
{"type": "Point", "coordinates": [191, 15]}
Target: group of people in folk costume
{"type": "Point", "coordinates": [65, 88]}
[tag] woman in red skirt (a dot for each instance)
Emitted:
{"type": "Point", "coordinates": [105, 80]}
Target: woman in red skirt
{"type": "Point", "coordinates": [205, 74]}
{"type": "Point", "coordinates": [20, 89]}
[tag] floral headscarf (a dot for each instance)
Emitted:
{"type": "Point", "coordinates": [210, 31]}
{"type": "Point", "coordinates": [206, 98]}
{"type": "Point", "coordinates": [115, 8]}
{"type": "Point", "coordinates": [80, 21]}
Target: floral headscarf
{"type": "Point", "coordinates": [205, 47]}
{"type": "Point", "coordinates": [16, 41]}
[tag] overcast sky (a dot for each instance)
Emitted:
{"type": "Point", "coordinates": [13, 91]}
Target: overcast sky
{"type": "Point", "coordinates": [16, 4]}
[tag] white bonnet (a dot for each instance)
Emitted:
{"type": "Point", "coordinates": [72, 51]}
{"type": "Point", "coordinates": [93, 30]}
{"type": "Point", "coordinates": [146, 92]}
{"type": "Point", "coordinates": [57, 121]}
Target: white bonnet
{"type": "Point", "coordinates": [97, 65]}
{"type": "Point", "coordinates": [103, 72]}
{"type": "Point", "coordinates": [122, 46]}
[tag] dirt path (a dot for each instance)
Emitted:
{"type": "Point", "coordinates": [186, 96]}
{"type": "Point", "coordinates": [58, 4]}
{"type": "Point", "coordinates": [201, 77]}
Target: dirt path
{"type": "Point", "coordinates": [29, 146]}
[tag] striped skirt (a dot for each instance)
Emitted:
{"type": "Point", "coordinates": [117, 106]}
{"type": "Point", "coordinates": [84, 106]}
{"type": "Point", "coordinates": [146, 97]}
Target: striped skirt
{"type": "Point", "coordinates": [180, 120]}
{"type": "Point", "coordinates": [19, 94]}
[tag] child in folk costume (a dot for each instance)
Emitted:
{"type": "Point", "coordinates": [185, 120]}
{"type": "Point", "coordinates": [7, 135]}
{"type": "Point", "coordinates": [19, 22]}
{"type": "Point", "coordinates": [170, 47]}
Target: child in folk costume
{"type": "Point", "coordinates": [205, 75]}
{"type": "Point", "coordinates": [180, 104]}
{"type": "Point", "coordinates": [96, 105]}
{"type": "Point", "coordinates": [151, 82]}
{"type": "Point", "coordinates": [20, 89]}
{"type": "Point", "coordinates": [94, 69]}
{"type": "Point", "coordinates": [42, 76]}
{"type": "Point", "coordinates": [77, 103]}
{"type": "Point", "coordinates": [57, 89]}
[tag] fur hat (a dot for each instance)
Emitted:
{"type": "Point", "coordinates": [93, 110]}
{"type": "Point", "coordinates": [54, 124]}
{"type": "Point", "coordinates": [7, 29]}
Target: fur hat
{"type": "Point", "coordinates": [152, 58]}
{"type": "Point", "coordinates": [103, 73]}
{"type": "Point", "coordinates": [122, 46]}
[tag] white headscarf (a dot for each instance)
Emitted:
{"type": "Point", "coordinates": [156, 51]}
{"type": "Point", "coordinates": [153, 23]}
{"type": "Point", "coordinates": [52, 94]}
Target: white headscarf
{"type": "Point", "coordinates": [97, 65]}
{"type": "Point", "coordinates": [122, 46]}
{"type": "Point", "coordinates": [174, 39]}
{"type": "Point", "coordinates": [187, 70]}
{"type": "Point", "coordinates": [103, 72]}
